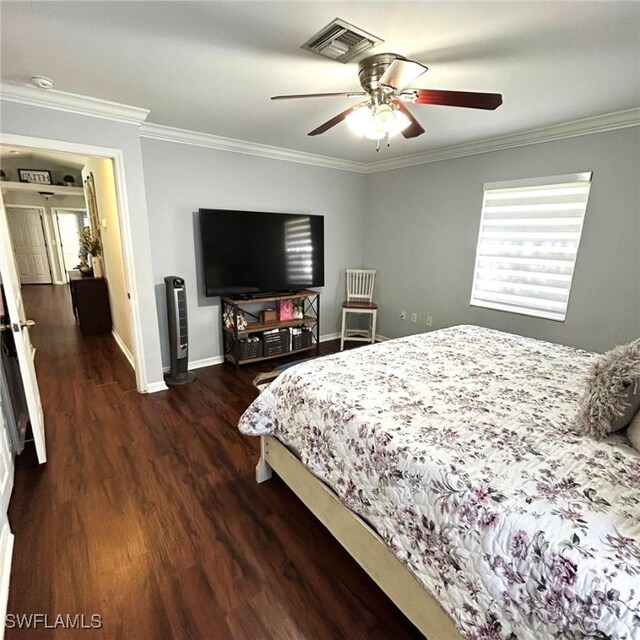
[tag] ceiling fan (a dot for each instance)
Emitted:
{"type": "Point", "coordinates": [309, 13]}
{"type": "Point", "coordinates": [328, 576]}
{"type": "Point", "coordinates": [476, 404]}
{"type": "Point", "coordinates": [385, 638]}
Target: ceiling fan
{"type": "Point", "coordinates": [384, 113]}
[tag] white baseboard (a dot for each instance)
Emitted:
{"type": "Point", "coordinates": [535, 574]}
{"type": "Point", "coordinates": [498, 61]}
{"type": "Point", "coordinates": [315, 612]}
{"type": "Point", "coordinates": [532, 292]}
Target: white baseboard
{"type": "Point", "coordinates": [123, 347]}
{"type": "Point", "coordinates": [154, 387]}
{"type": "Point", "coordinates": [336, 336]}
{"type": "Point", "coordinates": [209, 362]}
{"type": "Point", "coordinates": [205, 362]}
{"type": "Point", "coordinates": [199, 364]}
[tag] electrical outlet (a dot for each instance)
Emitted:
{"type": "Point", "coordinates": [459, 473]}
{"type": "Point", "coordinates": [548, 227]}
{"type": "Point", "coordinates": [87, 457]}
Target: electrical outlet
{"type": "Point", "coordinates": [429, 321]}
{"type": "Point", "coordinates": [414, 318]}
{"type": "Point", "coordinates": [403, 315]}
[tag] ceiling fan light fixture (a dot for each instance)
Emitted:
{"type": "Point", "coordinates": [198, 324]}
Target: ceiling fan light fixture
{"type": "Point", "coordinates": [362, 125]}
{"type": "Point", "coordinates": [384, 78]}
{"type": "Point", "coordinates": [383, 119]}
{"type": "Point", "coordinates": [373, 134]}
{"type": "Point", "coordinates": [377, 123]}
{"type": "Point", "coordinates": [359, 120]}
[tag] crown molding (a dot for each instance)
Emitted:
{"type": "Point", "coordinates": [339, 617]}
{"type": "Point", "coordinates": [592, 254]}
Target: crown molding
{"type": "Point", "coordinates": [195, 138]}
{"type": "Point", "coordinates": [72, 103]}
{"type": "Point", "coordinates": [95, 107]}
{"type": "Point", "coordinates": [584, 126]}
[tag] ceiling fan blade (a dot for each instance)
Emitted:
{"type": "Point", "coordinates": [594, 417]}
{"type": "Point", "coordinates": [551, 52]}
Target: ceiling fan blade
{"type": "Point", "coordinates": [415, 129]}
{"type": "Point", "coordinates": [401, 73]}
{"type": "Point", "coordinates": [348, 94]}
{"type": "Point", "coordinates": [331, 123]}
{"type": "Point", "coordinates": [469, 99]}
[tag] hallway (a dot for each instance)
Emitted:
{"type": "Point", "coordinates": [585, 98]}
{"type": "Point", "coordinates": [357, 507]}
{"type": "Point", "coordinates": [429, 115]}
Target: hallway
{"type": "Point", "coordinates": [148, 514]}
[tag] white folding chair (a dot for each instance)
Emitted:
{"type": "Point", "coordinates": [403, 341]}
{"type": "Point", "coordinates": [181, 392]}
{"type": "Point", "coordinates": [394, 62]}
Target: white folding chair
{"type": "Point", "coordinates": [360, 301]}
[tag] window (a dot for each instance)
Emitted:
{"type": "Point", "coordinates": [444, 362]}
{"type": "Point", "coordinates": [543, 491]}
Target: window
{"type": "Point", "coordinates": [528, 244]}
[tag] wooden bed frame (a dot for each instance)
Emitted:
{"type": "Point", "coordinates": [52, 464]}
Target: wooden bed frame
{"type": "Point", "coordinates": [359, 539]}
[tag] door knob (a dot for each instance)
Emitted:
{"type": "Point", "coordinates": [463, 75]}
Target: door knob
{"type": "Point", "coordinates": [23, 324]}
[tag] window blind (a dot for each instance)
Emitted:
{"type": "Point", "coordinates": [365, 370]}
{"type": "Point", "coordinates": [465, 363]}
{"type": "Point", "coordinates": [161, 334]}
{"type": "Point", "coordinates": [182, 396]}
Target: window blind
{"type": "Point", "coordinates": [528, 243]}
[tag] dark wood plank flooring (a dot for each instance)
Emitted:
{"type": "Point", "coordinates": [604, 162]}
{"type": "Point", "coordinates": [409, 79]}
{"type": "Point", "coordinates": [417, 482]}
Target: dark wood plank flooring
{"type": "Point", "coordinates": [148, 513]}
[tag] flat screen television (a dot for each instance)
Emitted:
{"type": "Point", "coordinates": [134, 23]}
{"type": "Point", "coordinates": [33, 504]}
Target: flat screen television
{"type": "Point", "coordinates": [250, 252]}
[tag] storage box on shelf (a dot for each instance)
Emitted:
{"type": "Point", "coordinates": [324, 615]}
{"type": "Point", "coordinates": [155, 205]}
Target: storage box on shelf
{"type": "Point", "coordinates": [268, 315]}
{"type": "Point", "coordinates": [276, 341]}
{"type": "Point", "coordinates": [242, 318]}
{"type": "Point", "coordinates": [301, 339]}
{"type": "Point", "coordinates": [250, 347]}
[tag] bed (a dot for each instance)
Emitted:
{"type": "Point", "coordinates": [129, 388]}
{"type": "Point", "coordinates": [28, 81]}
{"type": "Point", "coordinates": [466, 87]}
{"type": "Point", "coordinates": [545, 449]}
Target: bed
{"type": "Point", "coordinates": [446, 464]}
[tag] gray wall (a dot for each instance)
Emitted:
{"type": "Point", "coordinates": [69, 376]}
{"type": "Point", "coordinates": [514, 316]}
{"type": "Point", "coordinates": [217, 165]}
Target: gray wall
{"type": "Point", "coordinates": [180, 179]}
{"type": "Point", "coordinates": [422, 228]}
{"type": "Point", "coordinates": [50, 124]}
{"type": "Point", "coordinates": [418, 226]}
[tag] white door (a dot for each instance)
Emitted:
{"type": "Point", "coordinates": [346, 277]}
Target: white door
{"type": "Point", "coordinates": [69, 228]}
{"type": "Point", "coordinates": [6, 464]}
{"type": "Point", "coordinates": [6, 551]}
{"type": "Point", "coordinates": [19, 326]}
{"type": "Point", "coordinates": [6, 484]}
{"type": "Point", "coordinates": [29, 246]}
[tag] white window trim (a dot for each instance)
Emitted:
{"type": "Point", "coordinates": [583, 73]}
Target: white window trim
{"type": "Point", "coordinates": [492, 192]}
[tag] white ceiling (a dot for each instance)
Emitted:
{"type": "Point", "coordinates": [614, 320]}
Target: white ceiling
{"type": "Point", "coordinates": [59, 158]}
{"type": "Point", "coordinates": [212, 66]}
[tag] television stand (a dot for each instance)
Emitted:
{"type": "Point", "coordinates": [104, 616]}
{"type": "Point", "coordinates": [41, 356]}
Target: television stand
{"type": "Point", "coordinates": [271, 294]}
{"type": "Point", "coordinates": [257, 341]}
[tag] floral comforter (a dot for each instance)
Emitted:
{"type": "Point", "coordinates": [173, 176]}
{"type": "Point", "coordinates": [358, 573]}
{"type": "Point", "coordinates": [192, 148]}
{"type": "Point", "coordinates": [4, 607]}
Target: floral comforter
{"type": "Point", "coordinates": [456, 447]}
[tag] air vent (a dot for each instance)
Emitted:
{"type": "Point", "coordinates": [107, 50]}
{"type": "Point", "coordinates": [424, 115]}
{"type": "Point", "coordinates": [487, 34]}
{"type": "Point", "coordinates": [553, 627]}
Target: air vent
{"type": "Point", "coordinates": [341, 41]}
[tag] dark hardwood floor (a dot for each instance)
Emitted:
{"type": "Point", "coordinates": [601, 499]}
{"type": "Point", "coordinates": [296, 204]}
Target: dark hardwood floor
{"type": "Point", "coordinates": [148, 513]}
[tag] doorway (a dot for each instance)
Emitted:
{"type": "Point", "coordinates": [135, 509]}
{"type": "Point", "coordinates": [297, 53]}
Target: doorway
{"type": "Point", "coordinates": [105, 168]}
{"type": "Point", "coordinates": [68, 226]}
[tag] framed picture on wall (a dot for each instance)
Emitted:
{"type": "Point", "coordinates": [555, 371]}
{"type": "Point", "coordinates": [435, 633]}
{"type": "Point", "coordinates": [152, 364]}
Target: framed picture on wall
{"type": "Point", "coordinates": [35, 176]}
{"type": "Point", "coordinates": [92, 205]}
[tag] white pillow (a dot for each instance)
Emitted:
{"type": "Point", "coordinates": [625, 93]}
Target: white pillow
{"type": "Point", "coordinates": [612, 396]}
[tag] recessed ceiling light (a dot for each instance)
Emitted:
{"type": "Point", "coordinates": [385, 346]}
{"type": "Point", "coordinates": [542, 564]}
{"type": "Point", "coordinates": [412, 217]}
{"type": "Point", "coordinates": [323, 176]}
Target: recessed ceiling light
{"type": "Point", "coordinates": [41, 82]}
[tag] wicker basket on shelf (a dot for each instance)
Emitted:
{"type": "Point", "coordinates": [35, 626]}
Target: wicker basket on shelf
{"type": "Point", "coordinates": [301, 340]}
{"type": "Point", "coordinates": [276, 342]}
{"type": "Point", "coordinates": [249, 348]}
